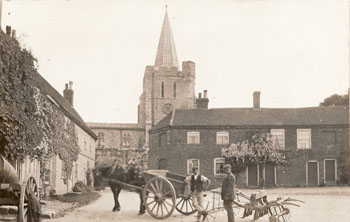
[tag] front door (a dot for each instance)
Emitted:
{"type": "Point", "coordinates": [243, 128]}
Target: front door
{"type": "Point", "coordinates": [253, 175]}
{"type": "Point", "coordinates": [312, 173]}
{"type": "Point", "coordinates": [330, 171]}
{"type": "Point", "coordinates": [269, 175]}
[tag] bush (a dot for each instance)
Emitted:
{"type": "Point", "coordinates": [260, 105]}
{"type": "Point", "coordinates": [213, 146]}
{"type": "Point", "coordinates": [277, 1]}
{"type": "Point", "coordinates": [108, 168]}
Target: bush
{"type": "Point", "coordinates": [79, 187]}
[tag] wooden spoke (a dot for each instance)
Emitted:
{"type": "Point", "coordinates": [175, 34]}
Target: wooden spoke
{"type": "Point", "coordinates": [179, 202]}
{"type": "Point", "coordinates": [151, 202]}
{"type": "Point", "coordinates": [211, 216]}
{"type": "Point", "coordinates": [161, 208]}
{"type": "Point", "coordinates": [155, 190]}
{"type": "Point", "coordinates": [149, 191]}
{"type": "Point", "coordinates": [161, 186]}
{"type": "Point", "coordinates": [166, 193]}
{"type": "Point", "coordinates": [191, 206]}
{"type": "Point", "coordinates": [154, 206]}
{"type": "Point", "coordinates": [165, 207]}
{"type": "Point", "coordinates": [157, 186]}
{"type": "Point", "coordinates": [207, 206]}
{"type": "Point", "coordinates": [157, 208]}
{"type": "Point", "coordinates": [186, 206]}
{"type": "Point", "coordinates": [182, 205]}
{"type": "Point", "coordinates": [168, 203]}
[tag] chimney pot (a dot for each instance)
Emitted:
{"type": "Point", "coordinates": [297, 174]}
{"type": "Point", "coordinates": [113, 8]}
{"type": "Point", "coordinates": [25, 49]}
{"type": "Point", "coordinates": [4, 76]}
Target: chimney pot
{"type": "Point", "coordinates": [70, 85]}
{"type": "Point", "coordinates": [205, 94]}
{"type": "Point", "coordinates": [256, 100]}
{"type": "Point", "coordinates": [13, 33]}
{"type": "Point", "coordinates": [199, 95]}
{"type": "Point", "coordinates": [66, 86]}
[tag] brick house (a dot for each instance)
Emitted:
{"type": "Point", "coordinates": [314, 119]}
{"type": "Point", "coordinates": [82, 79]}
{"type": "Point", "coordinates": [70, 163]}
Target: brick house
{"type": "Point", "coordinates": [315, 139]}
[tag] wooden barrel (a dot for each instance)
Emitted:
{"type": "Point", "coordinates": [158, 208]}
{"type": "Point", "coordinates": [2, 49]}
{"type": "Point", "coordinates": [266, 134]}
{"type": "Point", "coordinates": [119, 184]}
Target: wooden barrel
{"type": "Point", "coordinates": [7, 173]}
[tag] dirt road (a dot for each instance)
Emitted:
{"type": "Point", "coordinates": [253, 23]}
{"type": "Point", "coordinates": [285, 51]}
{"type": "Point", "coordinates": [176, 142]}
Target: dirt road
{"type": "Point", "coordinates": [322, 205]}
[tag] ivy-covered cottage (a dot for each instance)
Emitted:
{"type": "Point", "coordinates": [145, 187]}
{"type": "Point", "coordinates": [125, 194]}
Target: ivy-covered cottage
{"type": "Point", "coordinates": [81, 150]}
{"type": "Point", "coordinates": [41, 134]}
{"type": "Point", "coordinates": [303, 146]}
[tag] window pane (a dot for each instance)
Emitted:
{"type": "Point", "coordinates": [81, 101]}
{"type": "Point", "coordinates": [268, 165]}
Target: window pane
{"type": "Point", "coordinates": [277, 138]}
{"type": "Point", "coordinates": [303, 138]}
{"type": "Point", "coordinates": [222, 138]}
{"type": "Point", "coordinates": [192, 163]}
{"type": "Point", "coordinates": [193, 137]}
{"type": "Point", "coordinates": [219, 165]}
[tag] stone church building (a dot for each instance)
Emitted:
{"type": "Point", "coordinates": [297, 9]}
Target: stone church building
{"type": "Point", "coordinates": [166, 87]}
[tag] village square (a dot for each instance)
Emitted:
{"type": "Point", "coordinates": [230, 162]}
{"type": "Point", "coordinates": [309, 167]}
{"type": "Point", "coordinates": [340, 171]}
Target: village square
{"type": "Point", "coordinates": [183, 159]}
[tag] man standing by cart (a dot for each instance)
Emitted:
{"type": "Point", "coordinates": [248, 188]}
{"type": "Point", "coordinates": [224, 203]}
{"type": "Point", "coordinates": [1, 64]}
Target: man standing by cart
{"type": "Point", "coordinates": [228, 192]}
{"type": "Point", "coordinates": [198, 184]}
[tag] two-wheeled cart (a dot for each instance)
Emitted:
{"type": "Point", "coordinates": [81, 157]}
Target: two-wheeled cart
{"type": "Point", "coordinates": [16, 193]}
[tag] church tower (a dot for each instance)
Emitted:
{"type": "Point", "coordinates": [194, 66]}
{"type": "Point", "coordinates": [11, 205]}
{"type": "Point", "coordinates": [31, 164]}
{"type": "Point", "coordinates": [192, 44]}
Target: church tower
{"type": "Point", "coordinates": [165, 87]}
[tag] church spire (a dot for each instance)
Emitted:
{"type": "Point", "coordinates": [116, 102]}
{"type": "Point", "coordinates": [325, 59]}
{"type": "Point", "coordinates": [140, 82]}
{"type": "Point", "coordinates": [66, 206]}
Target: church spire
{"type": "Point", "coordinates": [166, 53]}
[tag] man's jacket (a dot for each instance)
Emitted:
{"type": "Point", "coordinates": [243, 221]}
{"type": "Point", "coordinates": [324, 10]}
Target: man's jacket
{"type": "Point", "coordinates": [228, 188]}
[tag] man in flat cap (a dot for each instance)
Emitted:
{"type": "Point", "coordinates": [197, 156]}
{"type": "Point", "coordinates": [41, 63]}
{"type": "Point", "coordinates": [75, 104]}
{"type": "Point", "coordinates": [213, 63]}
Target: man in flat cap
{"type": "Point", "coordinates": [198, 184]}
{"type": "Point", "coordinates": [228, 192]}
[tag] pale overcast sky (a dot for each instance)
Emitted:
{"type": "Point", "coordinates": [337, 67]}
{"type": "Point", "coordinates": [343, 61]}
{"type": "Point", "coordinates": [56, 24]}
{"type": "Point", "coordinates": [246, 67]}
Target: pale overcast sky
{"type": "Point", "coordinates": [295, 52]}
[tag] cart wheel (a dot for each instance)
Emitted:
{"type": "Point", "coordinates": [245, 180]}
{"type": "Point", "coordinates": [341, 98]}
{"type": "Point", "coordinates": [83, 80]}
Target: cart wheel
{"type": "Point", "coordinates": [185, 206]}
{"type": "Point", "coordinates": [285, 217]}
{"type": "Point", "coordinates": [26, 188]}
{"type": "Point", "coordinates": [279, 214]}
{"type": "Point", "coordinates": [159, 197]}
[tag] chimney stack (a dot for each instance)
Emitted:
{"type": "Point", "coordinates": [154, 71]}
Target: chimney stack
{"type": "Point", "coordinates": [68, 92]}
{"type": "Point", "coordinates": [8, 30]}
{"type": "Point", "coordinates": [256, 100]}
{"type": "Point", "coordinates": [13, 33]}
{"type": "Point", "coordinates": [202, 103]}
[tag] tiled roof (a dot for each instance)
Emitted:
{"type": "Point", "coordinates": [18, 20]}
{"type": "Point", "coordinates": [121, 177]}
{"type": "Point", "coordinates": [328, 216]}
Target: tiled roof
{"type": "Point", "coordinates": [94, 125]}
{"type": "Point", "coordinates": [335, 115]}
{"type": "Point", "coordinates": [68, 110]}
{"type": "Point", "coordinates": [166, 53]}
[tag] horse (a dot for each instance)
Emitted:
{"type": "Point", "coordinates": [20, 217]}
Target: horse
{"type": "Point", "coordinates": [130, 174]}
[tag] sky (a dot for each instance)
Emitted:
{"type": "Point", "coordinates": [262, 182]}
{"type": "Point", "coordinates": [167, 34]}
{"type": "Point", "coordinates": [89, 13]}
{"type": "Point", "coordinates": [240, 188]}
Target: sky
{"type": "Point", "coordinates": [295, 52]}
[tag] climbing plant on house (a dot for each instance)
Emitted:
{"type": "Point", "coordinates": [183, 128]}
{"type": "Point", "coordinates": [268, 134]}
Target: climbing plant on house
{"type": "Point", "coordinates": [259, 149]}
{"type": "Point", "coordinates": [30, 123]}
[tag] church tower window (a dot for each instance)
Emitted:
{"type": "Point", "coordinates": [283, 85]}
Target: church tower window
{"type": "Point", "coordinates": [162, 90]}
{"type": "Point", "coordinates": [174, 90]}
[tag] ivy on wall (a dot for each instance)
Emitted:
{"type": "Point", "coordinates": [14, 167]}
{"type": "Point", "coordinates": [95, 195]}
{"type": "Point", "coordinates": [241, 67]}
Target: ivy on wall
{"type": "Point", "coordinates": [30, 123]}
{"type": "Point", "coordinates": [259, 149]}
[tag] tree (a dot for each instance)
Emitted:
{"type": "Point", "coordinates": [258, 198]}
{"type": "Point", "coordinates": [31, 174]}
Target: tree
{"type": "Point", "coordinates": [336, 100]}
{"type": "Point", "coordinates": [255, 151]}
